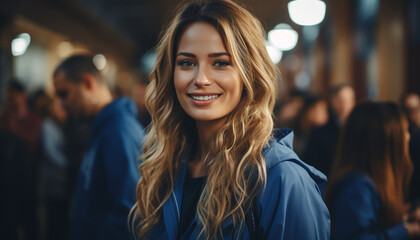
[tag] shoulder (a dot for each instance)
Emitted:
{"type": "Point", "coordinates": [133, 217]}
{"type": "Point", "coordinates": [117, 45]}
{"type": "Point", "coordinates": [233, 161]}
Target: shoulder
{"type": "Point", "coordinates": [121, 118]}
{"type": "Point", "coordinates": [290, 177]}
{"type": "Point", "coordinates": [355, 188]}
{"type": "Point", "coordinates": [288, 174]}
{"type": "Point", "coordinates": [120, 132]}
{"type": "Point", "coordinates": [355, 183]}
{"type": "Point", "coordinates": [282, 162]}
{"type": "Point", "coordinates": [291, 204]}
{"type": "Point", "coordinates": [279, 150]}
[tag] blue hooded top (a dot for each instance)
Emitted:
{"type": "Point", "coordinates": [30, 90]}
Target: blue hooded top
{"type": "Point", "coordinates": [290, 207]}
{"type": "Point", "coordinates": [108, 174]}
{"type": "Point", "coordinates": [355, 210]}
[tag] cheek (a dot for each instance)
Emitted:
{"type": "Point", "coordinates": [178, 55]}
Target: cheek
{"type": "Point", "coordinates": [181, 81]}
{"type": "Point", "coordinates": [239, 91]}
{"type": "Point", "coordinates": [79, 98]}
{"type": "Point", "coordinates": [232, 83]}
{"type": "Point", "coordinates": [73, 96]}
{"type": "Point", "coordinates": [239, 86]}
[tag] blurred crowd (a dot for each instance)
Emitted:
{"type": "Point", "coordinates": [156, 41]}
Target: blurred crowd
{"type": "Point", "coordinates": [42, 148]}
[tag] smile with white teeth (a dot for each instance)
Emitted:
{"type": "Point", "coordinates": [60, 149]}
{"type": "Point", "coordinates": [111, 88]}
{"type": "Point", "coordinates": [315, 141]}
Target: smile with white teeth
{"type": "Point", "coordinates": [204, 98]}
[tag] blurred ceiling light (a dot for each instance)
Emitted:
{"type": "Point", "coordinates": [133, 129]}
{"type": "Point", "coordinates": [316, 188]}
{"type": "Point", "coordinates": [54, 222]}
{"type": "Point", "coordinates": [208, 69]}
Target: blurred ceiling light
{"type": "Point", "coordinates": [310, 33]}
{"type": "Point", "coordinates": [64, 49]}
{"type": "Point", "coordinates": [306, 12]}
{"type": "Point", "coordinates": [274, 53]}
{"type": "Point", "coordinates": [100, 61]}
{"type": "Point", "coordinates": [283, 37]}
{"type": "Point", "coordinates": [302, 80]}
{"type": "Point", "coordinates": [20, 44]}
{"type": "Point", "coordinates": [368, 9]}
{"type": "Point", "coordinates": [148, 61]}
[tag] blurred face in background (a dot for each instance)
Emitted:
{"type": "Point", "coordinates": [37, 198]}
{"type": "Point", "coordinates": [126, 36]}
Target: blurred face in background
{"type": "Point", "coordinates": [318, 114]}
{"type": "Point", "coordinates": [74, 96]}
{"type": "Point", "coordinates": [412, 106]}
{"type": "Point", "coordinates": [140, 92]}
{"type": "Point", "coordinates": [291, 109]}
{"type": "Point", "coordinates": [15, 100]}
{"type": "Point", "coordinates": [57, 111]}
{"type": "Point", "coordinates": [343, 103]}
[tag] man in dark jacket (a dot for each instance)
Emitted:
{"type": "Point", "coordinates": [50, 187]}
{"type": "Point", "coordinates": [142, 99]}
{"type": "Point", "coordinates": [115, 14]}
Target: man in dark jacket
{"type": "Point", "coordinates": [108, 174]}
{"type": "Point", "coordinates": [322, 143]}
{"type": "Point", "coordinates": [410, 104]}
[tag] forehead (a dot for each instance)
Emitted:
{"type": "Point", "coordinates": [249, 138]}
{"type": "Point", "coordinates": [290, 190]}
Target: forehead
{"type": "Point", "coordinates": [200, 34]}
{"type": "Point", "coordinates": [345, 92]}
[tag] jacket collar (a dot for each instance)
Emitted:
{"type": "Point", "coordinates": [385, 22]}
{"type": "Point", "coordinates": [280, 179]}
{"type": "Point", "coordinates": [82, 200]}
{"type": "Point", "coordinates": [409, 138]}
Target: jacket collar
{"type": "Point", "coordinates": [172, 207]}
{"type": "Point", "coordinates": [119, 107]}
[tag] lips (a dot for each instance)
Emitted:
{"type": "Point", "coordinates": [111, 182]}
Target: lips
{"type": "Point", "coordinates": [204, 97]}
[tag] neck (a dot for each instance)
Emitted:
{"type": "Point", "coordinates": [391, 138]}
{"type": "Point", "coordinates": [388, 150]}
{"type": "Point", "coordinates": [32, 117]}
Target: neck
{"type": "Point", "coordinates": [341, 120]}
{"type": "Point", "coordinates": [305, 126]}
{"type": "Point", "coordinates": [102, 98]}
{"type": "Point", "coordinates": [206, 131]}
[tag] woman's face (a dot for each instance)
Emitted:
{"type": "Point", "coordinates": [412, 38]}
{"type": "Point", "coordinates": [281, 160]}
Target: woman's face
{"type": "Point", "coordinates": [207, 84]}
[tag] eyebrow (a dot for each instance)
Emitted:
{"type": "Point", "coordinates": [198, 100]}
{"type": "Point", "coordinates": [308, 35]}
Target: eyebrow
{"type": "Point", "coordinates": [210, 55]}
{"type": "Point", "coordinates": [219, 54]}
{"type": "Point", "coordinates": [185, 54]}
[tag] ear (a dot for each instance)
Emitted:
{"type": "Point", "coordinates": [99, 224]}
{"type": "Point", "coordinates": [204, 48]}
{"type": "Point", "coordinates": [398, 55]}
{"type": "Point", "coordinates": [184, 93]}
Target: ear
{"type": "Point", "coordinates": [88, 81]}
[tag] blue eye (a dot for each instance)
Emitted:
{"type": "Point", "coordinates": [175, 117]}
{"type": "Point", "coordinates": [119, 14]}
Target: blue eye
{"type": "Point", "coordinates": [221, 63]}
{"type": "Point", "coordinates": [186, 63]}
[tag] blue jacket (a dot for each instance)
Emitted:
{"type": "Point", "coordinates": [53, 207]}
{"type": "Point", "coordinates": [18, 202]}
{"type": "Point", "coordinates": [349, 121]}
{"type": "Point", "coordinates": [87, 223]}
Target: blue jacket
{"type": "Point", "coordinates": [291, 207]}
{"type": "Point", "coordinates": [355, 209]}
{"type": "Point", "coordinates": [108, 174]}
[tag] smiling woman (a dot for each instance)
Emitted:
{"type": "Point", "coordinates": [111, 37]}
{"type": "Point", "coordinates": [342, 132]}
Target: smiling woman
{"type": "Point", "coordinates": [213, 167]}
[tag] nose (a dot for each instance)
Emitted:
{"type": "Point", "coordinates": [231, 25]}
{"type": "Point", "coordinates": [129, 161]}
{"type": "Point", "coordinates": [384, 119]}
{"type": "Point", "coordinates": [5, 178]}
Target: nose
{"type": "Point", "coordinates": [202, 79]}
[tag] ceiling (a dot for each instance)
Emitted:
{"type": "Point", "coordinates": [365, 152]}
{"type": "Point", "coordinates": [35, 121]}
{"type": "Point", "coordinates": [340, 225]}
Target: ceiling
{"type": "Point", "coordinates": [123, 29]}
{"type": "Point", "coordinates": [140, 21]}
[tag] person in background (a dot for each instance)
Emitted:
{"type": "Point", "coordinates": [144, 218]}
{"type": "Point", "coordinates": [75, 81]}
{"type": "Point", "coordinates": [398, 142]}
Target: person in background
{"type": "Point", "coordinates": [139, 96]}
{"type": "Point", "coordinates": [410, 103]}
{"type": "Point", "coordinates": [313, 114]}
{"type": "Point", "coordinates": [370, 176]}
{"type": "Point", "coordinates": [54, 179]}
{"type": "Point", "coordinates": [20, 121]}
{"type": "Point", "coordinates": [76, 134]}
{"type": "Point", "coordinates": [286, 112]}
{"type": "Point", "coordinates": [108, 173]}
{"type": "Point", "coordinates": [213, 167]}
{"type": "Point", "coordinates": [322, 143]}
{"type": "Point", "coordinates": [17, 213]}
{"type": "Point", "coordinates": [343, 100]}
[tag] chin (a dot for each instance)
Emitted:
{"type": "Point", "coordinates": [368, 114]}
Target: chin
{"type": "Point", "coordinates": [206, 118]}
{"type": "Point", "coordinates": [203, 118]}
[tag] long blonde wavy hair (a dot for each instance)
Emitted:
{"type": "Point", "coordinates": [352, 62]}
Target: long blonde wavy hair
{"type": "Point", "coordinates": [236, 148]}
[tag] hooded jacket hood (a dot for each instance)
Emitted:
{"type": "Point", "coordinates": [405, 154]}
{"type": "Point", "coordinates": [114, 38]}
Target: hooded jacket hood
{"type": "Point", "coordinates": [116, 109]}
{"type": "Point", "coordinates": [280, 149]}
